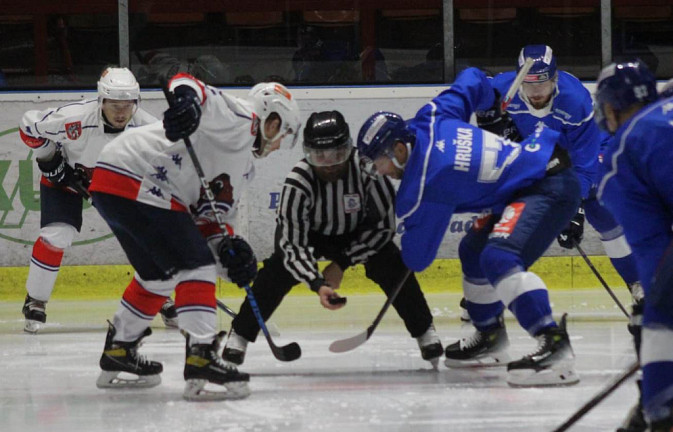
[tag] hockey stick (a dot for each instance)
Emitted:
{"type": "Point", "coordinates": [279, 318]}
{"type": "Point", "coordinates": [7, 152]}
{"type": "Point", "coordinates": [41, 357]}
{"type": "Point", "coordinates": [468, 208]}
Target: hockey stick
{"type": "Point", "coordinates": [353, 342]}
{"type": "Point", "coordinates": [600, 278]}
{"type": "Point", "coordinates": [285, 353]}
{"type": "Point", "coordinates": [599, 397]}
{"type": "Point", "coordinates": [516, 84]}
{"type": "Point", "coordinates": [273, 330]}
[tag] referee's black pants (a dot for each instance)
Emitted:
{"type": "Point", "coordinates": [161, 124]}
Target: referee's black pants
{"type": "Point", "coordinates": [385, 268]}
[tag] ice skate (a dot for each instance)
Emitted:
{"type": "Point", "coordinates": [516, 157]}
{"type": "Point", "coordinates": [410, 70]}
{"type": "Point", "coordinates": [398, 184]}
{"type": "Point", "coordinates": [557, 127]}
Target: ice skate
{"type": "Point", "coordinates": [464, 314]}
{"type": "Point", "coordinates": [35, 313]}
{"type": "Point", "coordinates": [203, 366]}
{"type": "Point", "coordinates": [234, 349]}
{"type": "Point", "coordinates": [168, 314]}
{"type": "Point", "coordinates": [634, 421]}
{"type": "Point", "coordinates": [481, 349]}
{"type": "Point", "coordinates": [431, 346]}
{"type": "Point", "coordinates": [551, 364]}
{"type": "Point", "coordinates": [122, 357]}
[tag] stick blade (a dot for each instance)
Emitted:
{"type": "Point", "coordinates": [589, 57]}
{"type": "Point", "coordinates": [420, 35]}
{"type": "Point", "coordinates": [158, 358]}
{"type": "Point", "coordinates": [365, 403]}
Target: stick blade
{"type": "Point", "coordinates": [287, 353]}
{"type": "Point", "coordinates": [348, 344]}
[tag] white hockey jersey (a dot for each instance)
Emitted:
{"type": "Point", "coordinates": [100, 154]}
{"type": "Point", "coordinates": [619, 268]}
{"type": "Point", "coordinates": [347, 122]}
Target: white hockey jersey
{"type": "Point", "coordinates": [77, 128]}
{"type": "Point", "coordinates": [143, 165]}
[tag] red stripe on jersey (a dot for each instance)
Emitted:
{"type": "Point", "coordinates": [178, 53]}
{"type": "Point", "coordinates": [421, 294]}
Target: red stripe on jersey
{"type": "Point", "coordinates": [194, 292]}
{"type": "Point", "coordinates": [30, 141]}
{"type": "Point", "coordinates": [47, 254]}
{"type": "Point", "coordinates": [113, 183]}
{"type": "Point", "coordinates": [177, 206]}
{"type": "Point", "coordinates": [212, 228]}
{"type": "Point", "coordinates": [143, 300]}
{"type": "Point", "coordinates": [183, 75]}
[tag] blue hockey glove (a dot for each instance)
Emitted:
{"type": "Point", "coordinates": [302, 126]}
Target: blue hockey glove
{"type": "Point", "coordinates": [183, 117]}
{"type": "Point", "coordinates": [239, 260]}
{"type": "Point", "coordinates": [574, 232]}
{"type": "Point", "coordinates": [56, 170]}
{"type": "Point", "coordinates": [498, 122]}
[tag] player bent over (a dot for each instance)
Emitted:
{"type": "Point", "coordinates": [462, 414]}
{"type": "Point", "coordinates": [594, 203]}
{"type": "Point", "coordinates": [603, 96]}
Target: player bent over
{"type": "Point", "coordinates": [526, 193]}
{"type": "Point", "coordinates": [66, 142]}
{"type": "Point", "coordinates": [330, 208]}
{"type": "Point", "coordinates": [147, 189]}
{"type": "Point", "coordinates": [636, 187]}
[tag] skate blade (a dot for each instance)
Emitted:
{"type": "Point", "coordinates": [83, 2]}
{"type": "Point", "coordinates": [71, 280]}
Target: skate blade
{"type": "Point", "coordinates": [196, 391]}
{"type": "Point", "coordinates": [498, 359]}
{"type": "Point", "coordinates": [557, 376]}
{"type": "Point", "coordinates": [111, 379]}
{"type": "Point", "coordinates": [32, 326]}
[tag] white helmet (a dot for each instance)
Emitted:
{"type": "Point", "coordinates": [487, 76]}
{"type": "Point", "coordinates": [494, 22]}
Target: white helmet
{"type": "Point", "coordinates": [272, 97]}
{"type": "Point", "coordinates": [118, 84]}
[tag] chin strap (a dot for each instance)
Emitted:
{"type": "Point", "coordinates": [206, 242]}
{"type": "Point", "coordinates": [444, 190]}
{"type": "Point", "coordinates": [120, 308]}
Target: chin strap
{"type": "Point", "coordinates": [399, 165]}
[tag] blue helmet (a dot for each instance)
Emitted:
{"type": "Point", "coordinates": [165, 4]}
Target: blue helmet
{"type": "Point", "coordinates": [380, 131]}
{"type": "Point", "coordinates": [544, 63]}
{"type": "Point", "coordinates": [622, 85]}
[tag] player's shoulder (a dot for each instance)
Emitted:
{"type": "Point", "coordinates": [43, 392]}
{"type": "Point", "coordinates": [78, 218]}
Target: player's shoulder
{"type": "Point", "coordinates": [573, 99]}
{"type": "Point", "coordinates": [301, 175]}
{"type": "Point", "coordinates": [503, 80]}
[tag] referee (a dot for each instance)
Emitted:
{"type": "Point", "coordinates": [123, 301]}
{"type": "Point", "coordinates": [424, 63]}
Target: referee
{"type": "Point", "coordinates": [330, 208]}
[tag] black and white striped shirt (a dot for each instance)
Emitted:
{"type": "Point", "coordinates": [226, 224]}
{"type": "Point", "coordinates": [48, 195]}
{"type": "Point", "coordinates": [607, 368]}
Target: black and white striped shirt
{"type": "Point", "coordinates": [356, 204]}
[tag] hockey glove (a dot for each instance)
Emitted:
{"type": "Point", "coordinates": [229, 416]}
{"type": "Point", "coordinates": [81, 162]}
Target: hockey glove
{"type": "Point", "coordinates": [183, 117]}
{"type": "Point", "coordinates": [239, 260]}
{"type": "Point", "coordinates": [498, 122]}
{"type": "Point", "coordinates": [56, 170]}
{"type": "Point", "coordinates": [574, 232]}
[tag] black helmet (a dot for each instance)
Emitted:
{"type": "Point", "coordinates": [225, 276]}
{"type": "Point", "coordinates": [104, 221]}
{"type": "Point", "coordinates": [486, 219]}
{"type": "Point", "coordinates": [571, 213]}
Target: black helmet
{"type": "Point", "coordinates": [327, 139]}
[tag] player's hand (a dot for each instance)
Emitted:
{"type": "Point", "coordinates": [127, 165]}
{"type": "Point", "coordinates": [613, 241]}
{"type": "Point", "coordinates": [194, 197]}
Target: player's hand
{"type": "Point", "coordinates": [333, 275]}
{"type": "Point", "coordinates": [574, 232]}
{"type": "Point", "coordinates": [56, 170]}
{"type": "Point", "coordinates": [239, 260]}
{"type": "Point", "coordinates": [326, 293]}
{"type": "Point", "coordinates": [498, 122]}
{"type": "Point", "coordinates": [183, 117]}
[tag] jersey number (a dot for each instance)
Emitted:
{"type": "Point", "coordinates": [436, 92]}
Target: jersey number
{"type": "Point", "coordinates": [489, 171]}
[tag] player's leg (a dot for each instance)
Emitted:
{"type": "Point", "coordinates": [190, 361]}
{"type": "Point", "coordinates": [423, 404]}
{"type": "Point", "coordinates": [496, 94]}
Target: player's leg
{"type": "Point", "coordinates": [386, 269]}
{"type": "Point", "coordinates": [60, 220]}
{"type": "Point", "coordinates": [487, 346]}
{"type": "Point", "coordinates": [271, 285]}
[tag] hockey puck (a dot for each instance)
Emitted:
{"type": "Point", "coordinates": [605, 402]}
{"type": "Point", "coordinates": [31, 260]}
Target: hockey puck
{"type": "Point", "coordinates": [336, 300]}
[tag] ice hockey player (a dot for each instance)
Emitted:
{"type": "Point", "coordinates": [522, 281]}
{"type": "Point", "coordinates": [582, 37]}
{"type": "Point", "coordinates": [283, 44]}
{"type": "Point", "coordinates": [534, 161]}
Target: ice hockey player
{"type": "Point", "coordinates": [146, 187]}
{"type": "Point", "coordinates": [66, 142]}
{"type": "Point", "coordinates": [330, 208]}
{"type": "Point", "coordinates": [526, 195]}
{"type": "Point", "coordinates": [561, 102]}
{"type": "Point", "coordinates": [636, 187]}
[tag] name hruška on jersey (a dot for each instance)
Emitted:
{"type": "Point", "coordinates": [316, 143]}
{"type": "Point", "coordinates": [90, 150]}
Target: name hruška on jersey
{"type": "Point", "coordinates": [463, 144]}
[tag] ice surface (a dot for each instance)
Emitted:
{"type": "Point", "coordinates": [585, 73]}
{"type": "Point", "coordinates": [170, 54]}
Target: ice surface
{"type": "Point", "coordinates": [47, 381]}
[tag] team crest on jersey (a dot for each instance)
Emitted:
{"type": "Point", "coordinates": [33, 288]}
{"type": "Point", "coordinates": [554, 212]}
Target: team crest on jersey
{"type": "Point", "coordinates": [73, 130]}
{"type": "Point", "coordinates": [352, 203]}
{"type": "Point", "coordinates": [508, 220]}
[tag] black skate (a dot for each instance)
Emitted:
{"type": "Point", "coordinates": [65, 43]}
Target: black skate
{"type": "Point", "coordinates": [464, 314]}
{"type": "Point", "coordinates": [35, 313]}
{"type": "Point", "coordinates": [122, 357]}
{"type": "Point", "coordinates": [431, 346]}
{"type": "Point", "coordinates": [635, 420]}
{"type": "Point", "coordinates": [552, 363]}
{"type": "Point", "coordinates": [203, 365]}
{"type": "Point", "coordinates": [481, 349]}
{"type": "Point", "coordinates": [234, 349]}
{"type": "Point", "coordinates": [168, 314]}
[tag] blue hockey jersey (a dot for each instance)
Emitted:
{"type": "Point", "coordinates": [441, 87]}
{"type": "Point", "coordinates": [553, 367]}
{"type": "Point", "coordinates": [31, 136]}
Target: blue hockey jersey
{"type": "Point", "coordinates": [455, 167]}
{"type": "Point", "coordinates": [637, 185]}
{"type": "Point", "coordinates": [571, 113]}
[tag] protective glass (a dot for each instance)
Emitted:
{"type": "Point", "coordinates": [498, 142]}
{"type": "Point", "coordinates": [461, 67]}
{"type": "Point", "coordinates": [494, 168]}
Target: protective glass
{"type": "Point", "coordinates": [329, 157]}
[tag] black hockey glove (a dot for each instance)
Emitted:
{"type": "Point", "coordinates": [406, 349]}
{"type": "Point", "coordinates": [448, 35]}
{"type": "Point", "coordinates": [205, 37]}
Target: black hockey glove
{"type": "Point", "coordinates": [574, 232]}
{"type": "Point", "coordinates": [498, 122]}
{"type": "Point", "coordinates": [56, 170]}
{"type": "Point", "coordinates": [239, 260]}
{"type": "Point", "coordinates": [183, 117]}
